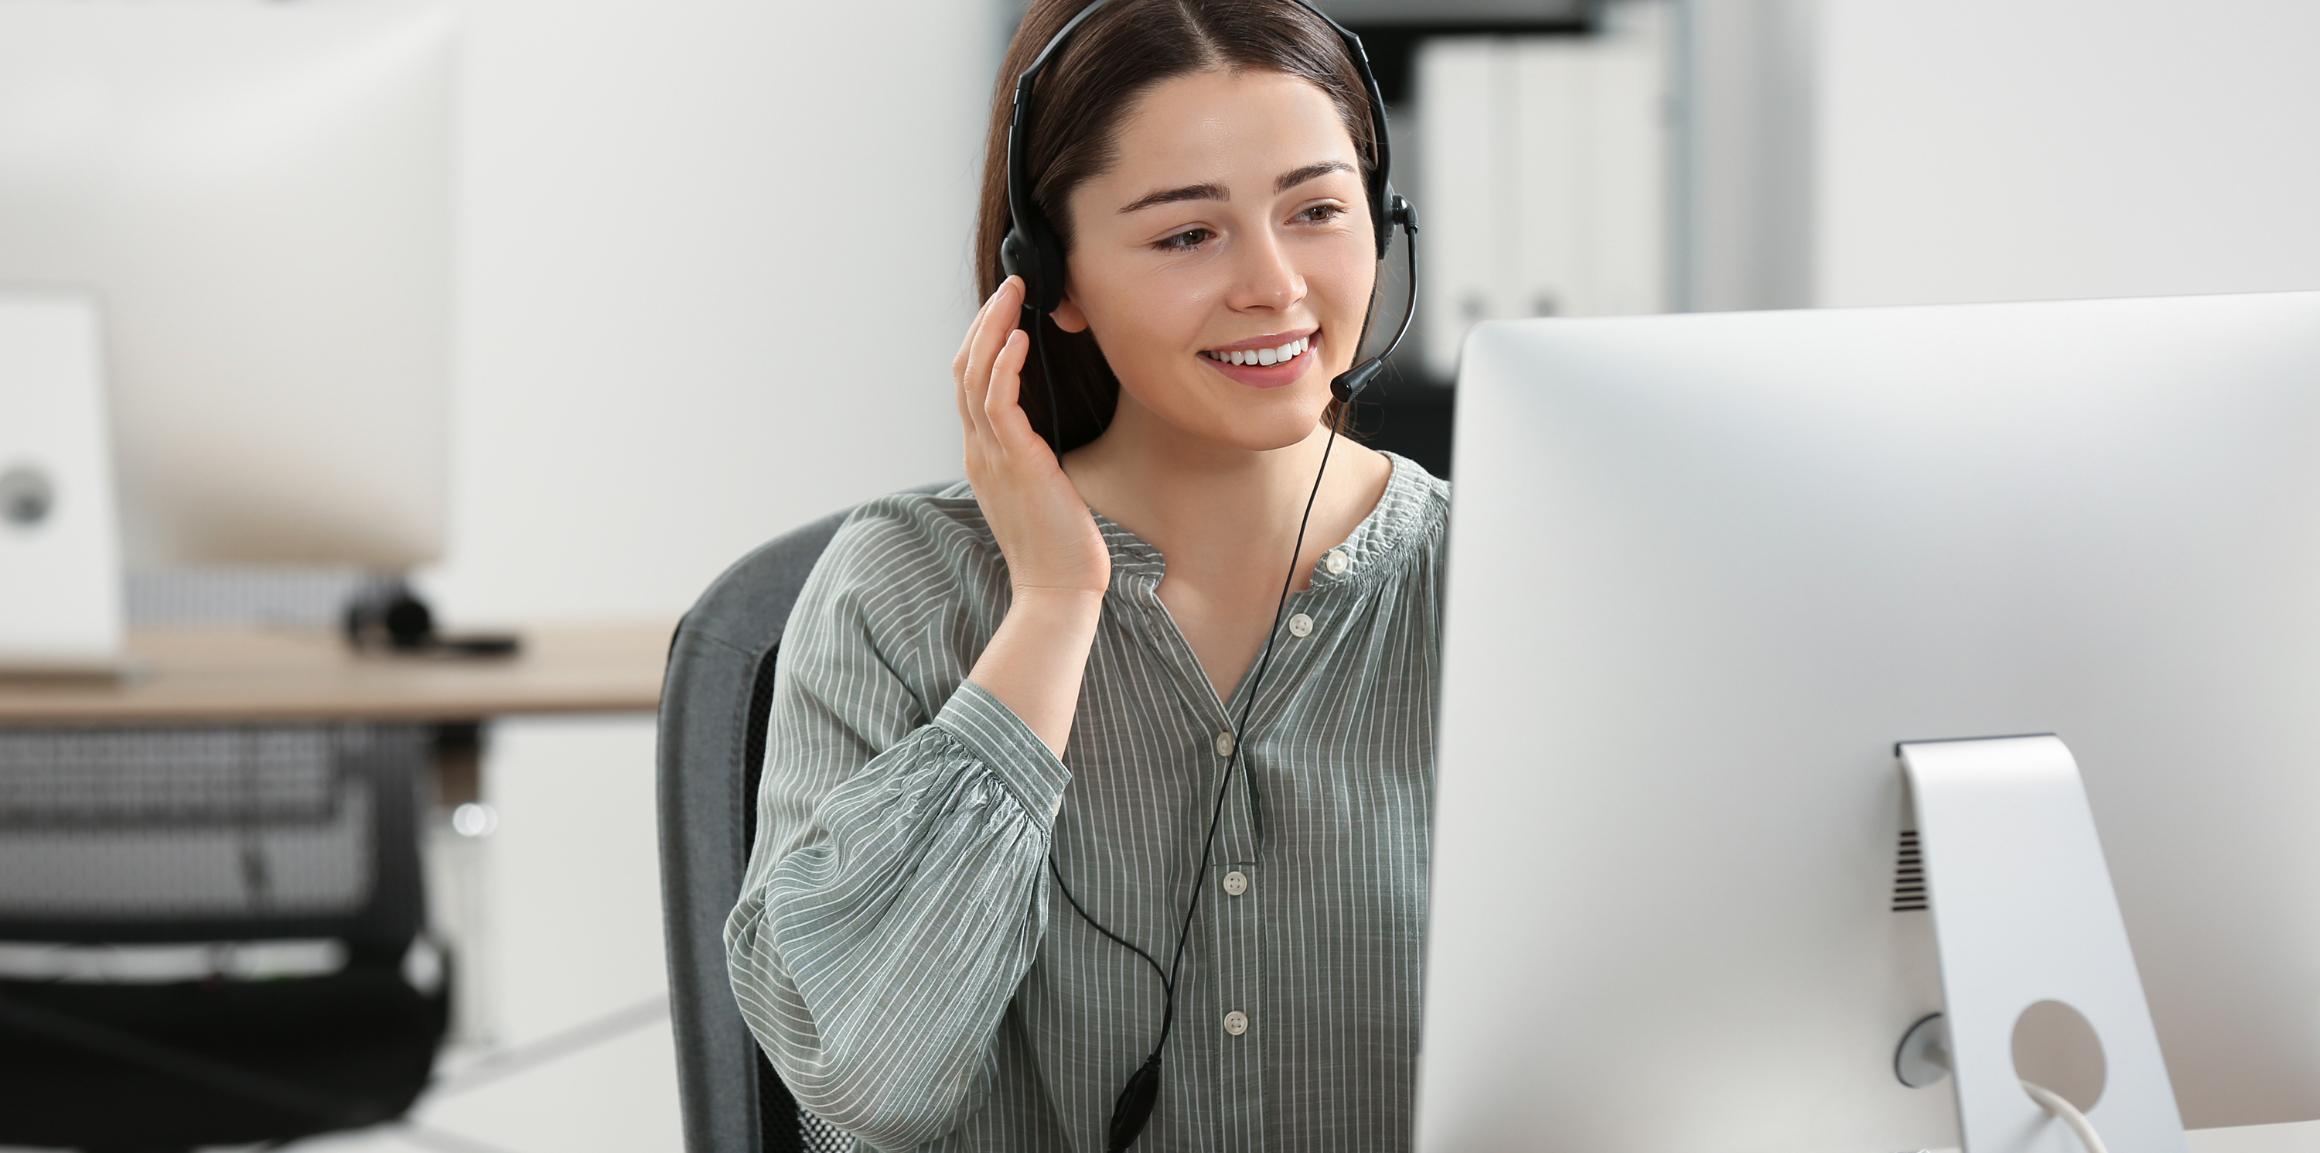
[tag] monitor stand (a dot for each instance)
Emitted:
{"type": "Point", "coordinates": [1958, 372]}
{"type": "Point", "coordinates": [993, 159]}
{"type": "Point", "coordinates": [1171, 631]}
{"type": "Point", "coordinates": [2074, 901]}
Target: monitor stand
{"type": "Point", "coordinates": [2023, 912]}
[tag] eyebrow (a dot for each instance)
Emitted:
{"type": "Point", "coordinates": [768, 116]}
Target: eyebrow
{"type": "Point", "coordinates": [1212, 191]}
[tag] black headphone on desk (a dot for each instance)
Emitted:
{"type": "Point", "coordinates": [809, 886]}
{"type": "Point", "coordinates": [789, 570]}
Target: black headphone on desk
{"type": "Point", "coordinates": [1032, 252]}
{"type": "Point", "coordinates": [391, 618]}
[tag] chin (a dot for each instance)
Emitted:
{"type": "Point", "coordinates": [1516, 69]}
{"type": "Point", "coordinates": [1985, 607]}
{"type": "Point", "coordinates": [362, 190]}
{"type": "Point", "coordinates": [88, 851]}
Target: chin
{"type": "Point", "coordinates": [1285, 425]}
{"type": "Point", "coordinates": [1252, 422]}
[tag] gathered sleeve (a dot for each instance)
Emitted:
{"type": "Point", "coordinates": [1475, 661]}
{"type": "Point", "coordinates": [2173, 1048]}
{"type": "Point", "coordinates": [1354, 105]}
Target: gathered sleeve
{"type": "Point", "coordinates": [894, 897]}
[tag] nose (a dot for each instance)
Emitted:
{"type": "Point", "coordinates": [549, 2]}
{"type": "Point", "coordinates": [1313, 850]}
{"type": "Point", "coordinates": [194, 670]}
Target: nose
{"type": "Point", "coordinates": [1264, 277]}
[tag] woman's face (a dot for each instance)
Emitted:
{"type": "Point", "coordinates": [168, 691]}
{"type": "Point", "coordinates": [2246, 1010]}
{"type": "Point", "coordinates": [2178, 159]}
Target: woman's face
{"type": "Point", "coordinates": [1236, 211]}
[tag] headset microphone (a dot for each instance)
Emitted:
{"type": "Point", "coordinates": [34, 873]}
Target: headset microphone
{"type": "Point", "coordinates": [1348, 384]}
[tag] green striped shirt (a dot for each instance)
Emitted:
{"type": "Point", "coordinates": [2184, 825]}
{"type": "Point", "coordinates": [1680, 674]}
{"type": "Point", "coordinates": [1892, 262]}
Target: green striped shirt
{"type": "Point", "coordinates": [897, 949]}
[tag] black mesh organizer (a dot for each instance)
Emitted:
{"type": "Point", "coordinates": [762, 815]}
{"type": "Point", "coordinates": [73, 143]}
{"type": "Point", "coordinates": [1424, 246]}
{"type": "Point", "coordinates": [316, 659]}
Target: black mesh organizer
{"type": "Point", "coordinates": [142, 855]}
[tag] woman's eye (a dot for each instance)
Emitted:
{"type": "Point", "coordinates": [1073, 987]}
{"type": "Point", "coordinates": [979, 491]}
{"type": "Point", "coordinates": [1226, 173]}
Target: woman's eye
{"type": "Point", "coordinates": [1171, 245]}
{"type": "Point", "coordinates": [1184, 242]}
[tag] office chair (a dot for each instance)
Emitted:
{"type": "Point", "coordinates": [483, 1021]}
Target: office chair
{"type": "Point", "coordinates": [222, 843]}
{"type": "Point", "coordinates": [714, 701]}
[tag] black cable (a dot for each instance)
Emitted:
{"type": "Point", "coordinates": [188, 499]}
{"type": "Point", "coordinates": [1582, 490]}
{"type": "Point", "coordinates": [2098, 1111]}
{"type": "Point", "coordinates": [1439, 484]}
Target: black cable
{"type": "Point", "coordinates": [1047, 381]}
{"type": "Point", "coordinates": [1096, 421]}
{"type": "Point", "coordinates": [1168, 977]}
{"type": "Point", "coordinates": [1200, 875]}
{"type": "Point", "coordinates": [1133, 1107]}
{"type": "Point", "coordinates": [1165, 981]}
{"type": "Point", "coordinates": [1136, 1100]}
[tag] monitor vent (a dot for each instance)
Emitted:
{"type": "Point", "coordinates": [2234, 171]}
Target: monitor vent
{"type": "Point", "coordinates": [1909, 875]}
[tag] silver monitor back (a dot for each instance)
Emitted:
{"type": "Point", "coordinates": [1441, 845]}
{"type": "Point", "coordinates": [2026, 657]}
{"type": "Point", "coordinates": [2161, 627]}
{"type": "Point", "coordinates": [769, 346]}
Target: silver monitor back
{"type": "Point", "coordinates": [1706, 570]}
{"type": "Point", "coordinates": [259, 197]}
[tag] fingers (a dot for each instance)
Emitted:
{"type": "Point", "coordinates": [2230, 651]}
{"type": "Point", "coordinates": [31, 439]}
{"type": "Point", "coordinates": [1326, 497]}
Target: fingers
{"type": "Point", "coordinates": [961, 378]}
{"type": "Point", "coordinates": [959, 362]}
{"type": "Point", "coordinates": [959, 394]}
{"type": "Point", "coordinates": [991, 332]}
{"type": "Point", "coordinates": [1002, 408]}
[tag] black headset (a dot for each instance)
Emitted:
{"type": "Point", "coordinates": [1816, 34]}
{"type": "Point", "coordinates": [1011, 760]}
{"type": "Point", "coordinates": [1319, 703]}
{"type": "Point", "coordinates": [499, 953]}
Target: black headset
{"type": "Point", "coordinates": [1031, 251]}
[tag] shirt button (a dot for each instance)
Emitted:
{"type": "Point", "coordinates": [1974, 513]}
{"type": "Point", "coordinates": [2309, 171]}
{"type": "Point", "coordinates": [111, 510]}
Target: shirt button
{"type": "Point", "coordinates": [1301, 625]}
{"type": "Point", "coordinates": [1224, 743]}
{"type": "Point", "coordinates": [1236, 883]}
{"type": "Point", "coordinates": [1334, 561]}
{"type": "Point", "coordinates": [1236, 1022]}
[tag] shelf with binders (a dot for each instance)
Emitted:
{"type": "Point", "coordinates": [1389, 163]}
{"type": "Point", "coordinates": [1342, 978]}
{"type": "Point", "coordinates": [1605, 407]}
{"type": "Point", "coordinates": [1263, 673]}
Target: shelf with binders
{"type": "Point", "coordinates": [1543, 162]}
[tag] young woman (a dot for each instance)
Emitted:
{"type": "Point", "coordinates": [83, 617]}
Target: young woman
{"type": "Point", "coordinates": [1024, 690]}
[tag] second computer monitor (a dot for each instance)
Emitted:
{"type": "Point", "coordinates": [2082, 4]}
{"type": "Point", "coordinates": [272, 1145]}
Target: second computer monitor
{"type": "Point", "coordinates": [259, 199]}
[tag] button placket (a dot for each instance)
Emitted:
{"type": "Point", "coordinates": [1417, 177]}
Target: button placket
{"type": "Point", "coordinates": [1236, 831]}
{"type": "Point", "coordinates": [1239, 1008]}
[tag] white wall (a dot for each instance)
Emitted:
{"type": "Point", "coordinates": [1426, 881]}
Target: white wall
{"type": "Point", "coordinates": [2023, 149]}
{"type": "Point", "coordinates": [715, 262]}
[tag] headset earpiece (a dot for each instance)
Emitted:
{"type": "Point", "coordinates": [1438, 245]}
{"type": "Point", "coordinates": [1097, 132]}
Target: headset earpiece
{"type": "Point", "coordinates": [1030, 253]}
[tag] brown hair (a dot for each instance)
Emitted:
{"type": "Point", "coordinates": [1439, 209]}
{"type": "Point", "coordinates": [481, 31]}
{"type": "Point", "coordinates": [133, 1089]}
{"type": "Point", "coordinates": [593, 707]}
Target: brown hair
{"type": "Point", "coordinates": [1076, 106]}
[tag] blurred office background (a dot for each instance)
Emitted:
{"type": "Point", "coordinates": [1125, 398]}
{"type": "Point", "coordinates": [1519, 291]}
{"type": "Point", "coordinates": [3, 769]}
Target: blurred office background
{"type": "Point", "coordinates": [711, 260]}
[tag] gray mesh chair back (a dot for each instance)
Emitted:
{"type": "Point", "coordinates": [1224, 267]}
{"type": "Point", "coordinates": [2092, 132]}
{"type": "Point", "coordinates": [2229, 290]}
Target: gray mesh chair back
{"type": "Point", "coordinates": [714, 700]}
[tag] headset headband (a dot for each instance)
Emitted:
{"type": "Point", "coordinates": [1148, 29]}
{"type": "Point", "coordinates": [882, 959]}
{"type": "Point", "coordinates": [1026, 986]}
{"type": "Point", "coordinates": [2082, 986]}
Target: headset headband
{"type": "Point", "coordinates": [1031, 250]}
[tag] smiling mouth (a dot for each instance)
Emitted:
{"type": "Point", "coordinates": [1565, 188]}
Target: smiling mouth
{"type": "Point", "coordinates": [1256, 358]}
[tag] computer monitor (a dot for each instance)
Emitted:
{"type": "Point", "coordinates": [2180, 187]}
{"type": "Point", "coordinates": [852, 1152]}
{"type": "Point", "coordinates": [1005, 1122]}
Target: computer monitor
{"type": "Point", "coordinates": [60, 592]}
{"type": "Point", "coordinates": [258, 195]}
{"type": "Point", "coordinates": [1707, 572]}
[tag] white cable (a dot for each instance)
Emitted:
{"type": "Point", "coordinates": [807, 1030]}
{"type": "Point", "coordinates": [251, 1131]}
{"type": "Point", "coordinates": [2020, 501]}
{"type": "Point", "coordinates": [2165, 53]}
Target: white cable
{"type": "Point", "coordinates": [2053, 1103]}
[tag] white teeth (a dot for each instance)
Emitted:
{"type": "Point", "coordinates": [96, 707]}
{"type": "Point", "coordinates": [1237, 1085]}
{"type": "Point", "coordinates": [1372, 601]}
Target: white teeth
{"type": "Point", "coordinates": [1263, 356]}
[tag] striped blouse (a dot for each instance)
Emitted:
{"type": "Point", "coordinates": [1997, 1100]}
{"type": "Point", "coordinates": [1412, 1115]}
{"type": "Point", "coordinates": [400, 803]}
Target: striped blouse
{"type": "Point", "coordinates": [898, 950]}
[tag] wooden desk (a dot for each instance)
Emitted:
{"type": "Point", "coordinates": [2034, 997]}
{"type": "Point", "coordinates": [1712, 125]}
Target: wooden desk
{"type": "Point", "coordinates": [244, 676]}
{"type": "Point", "coordinates": [2291, 1137]}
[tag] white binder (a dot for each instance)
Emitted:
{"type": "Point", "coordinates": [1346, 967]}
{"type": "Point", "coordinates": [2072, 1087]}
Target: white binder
{"type": "Point", "coordinates": [1629, 142]}
{"type": "Point", "coordinates": [1460, 85]}
{"type": "Point", "coordinates": [1544, 169]}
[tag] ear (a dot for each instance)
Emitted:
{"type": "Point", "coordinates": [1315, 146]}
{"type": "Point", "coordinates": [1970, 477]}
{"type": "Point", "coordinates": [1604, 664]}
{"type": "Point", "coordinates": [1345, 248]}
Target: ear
{"type": "Point", "coordinates": [1067, 315]}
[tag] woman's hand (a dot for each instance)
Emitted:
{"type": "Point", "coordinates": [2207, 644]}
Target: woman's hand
{"type": "Point", "coordinates": [1044, 529]}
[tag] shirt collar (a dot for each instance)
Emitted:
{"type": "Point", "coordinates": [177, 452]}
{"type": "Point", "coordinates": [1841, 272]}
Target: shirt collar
{"type": "Point", "coordinates": [1368, 553]}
